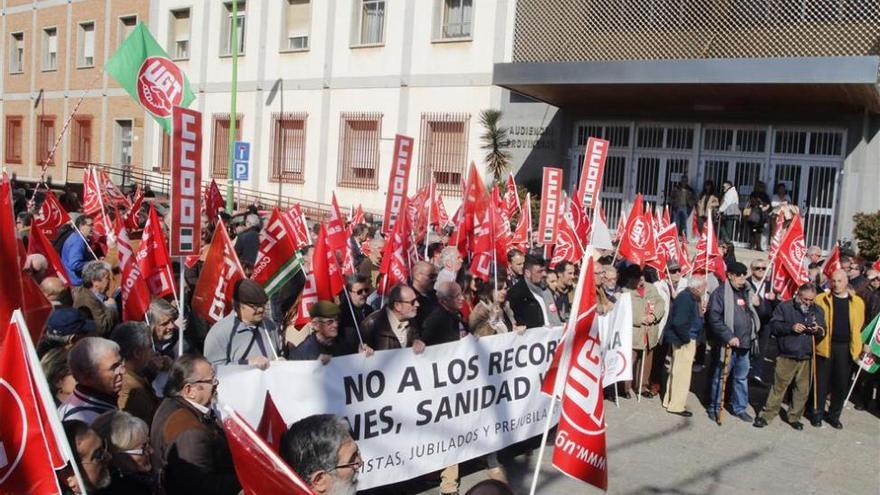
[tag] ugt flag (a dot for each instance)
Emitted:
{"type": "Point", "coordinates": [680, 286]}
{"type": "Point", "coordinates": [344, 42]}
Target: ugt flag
{"type": "Point", "coordinates": [143, 68]}
{"type": "Point", "coordinates": [871, 337]}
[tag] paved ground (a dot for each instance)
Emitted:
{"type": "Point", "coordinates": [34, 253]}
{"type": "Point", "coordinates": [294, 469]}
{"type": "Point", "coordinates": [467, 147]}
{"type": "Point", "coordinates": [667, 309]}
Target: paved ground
{"type": "Point", "coordinates": [651, 451]}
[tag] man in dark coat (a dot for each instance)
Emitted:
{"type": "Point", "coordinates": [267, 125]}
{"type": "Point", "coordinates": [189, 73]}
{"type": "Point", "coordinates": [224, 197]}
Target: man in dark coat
{"type": "Point", "coordinates": [189, 446]}
{"type": "Point", "coordinates": [328, 339]}
{"type": "Point", "coordinates": [795, 324]}
{"type": "Point", "coordinates": [424, 275]}
{"type": "Point", "coordinates": [444, 323]}
{"type": "Point", "coordinates": [531, 301]}
{"type": "Point", "coordinates": [682, 329]}
{"type": "Point", "coordinates": [392, 327]}
{"type": "Point", "coordinates": [247, 242]}
{"type": "Point", "coordinates": [355, 310]}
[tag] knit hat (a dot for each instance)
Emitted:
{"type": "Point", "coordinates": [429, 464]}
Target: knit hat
{"type": "Point", "coordinates": [324, 309]}
{"type": "Point", "coordinates": [737, 268]}
{"type": "Point", "coordinates": [249, 292]}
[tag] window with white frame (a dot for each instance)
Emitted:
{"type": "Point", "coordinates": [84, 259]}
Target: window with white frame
{"type": "Point", "coordinates": [297, 22]}
{"type": "Point", "coordinates": [86, 45]}
{"type": "Point", "coordinates": [453, 19]}
{"type": "Point", "coordinates": [127, 23]}
{"type": "Point", "coordinates": [226, 34]}
{"type": "Point", "coordinates": [368, 27]}
{"type": "Point", "coordinates": [122, 142]}
{"type": "Point", "coordinates": [16, 53]}
{"type": "Point", "coordinates": [178, 34]}
{"type": "Point", "coordinates": [49, 57]}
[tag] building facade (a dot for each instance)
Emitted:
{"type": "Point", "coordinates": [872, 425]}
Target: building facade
{"type": "Point", "coordinates": [783, 92]}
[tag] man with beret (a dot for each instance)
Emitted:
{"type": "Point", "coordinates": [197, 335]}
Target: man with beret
{"type": "Point", "coordinates": [327, 339]}
{"type": "Point", "coordinates": [733, 323]}
{"type": "Point", "coordinates": [244, 336]}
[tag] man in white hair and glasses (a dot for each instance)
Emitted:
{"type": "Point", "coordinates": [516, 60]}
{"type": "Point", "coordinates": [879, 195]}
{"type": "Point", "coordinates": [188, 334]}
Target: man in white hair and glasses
{"type": "Point", "coordinates": [321, 451]}
{"type": "Point", "coordinates": [98, 368]}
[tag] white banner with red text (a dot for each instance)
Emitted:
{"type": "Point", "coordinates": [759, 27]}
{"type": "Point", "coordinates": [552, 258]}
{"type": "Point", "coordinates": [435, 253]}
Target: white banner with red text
{"type": "Point", "coordinates": [412, 414]}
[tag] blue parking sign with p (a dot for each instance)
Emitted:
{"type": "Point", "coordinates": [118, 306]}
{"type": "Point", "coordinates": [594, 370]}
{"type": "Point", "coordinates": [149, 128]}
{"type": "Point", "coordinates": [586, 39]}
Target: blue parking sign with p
{"type": "Point", "coordinates": [241, 156]}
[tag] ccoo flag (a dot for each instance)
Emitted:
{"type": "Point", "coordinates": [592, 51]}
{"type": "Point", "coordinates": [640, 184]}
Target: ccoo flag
{"type": "Point", "coordinates": [143, 68]}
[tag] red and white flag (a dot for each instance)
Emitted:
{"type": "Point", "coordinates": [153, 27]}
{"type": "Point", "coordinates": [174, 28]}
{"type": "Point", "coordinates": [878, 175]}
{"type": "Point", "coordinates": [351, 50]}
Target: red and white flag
{"type": "Point", "coordinates": [778, 234]}
{"type": "Point", "coordinates": [398, 181]}
{"type": "Point", "coordinates": [213, 201]}
{"type": "Point", "coordinates": [131, 216]}
{"type": "Point", "coordinates": [272, 424]}
{"type": "Point", "coordinates": [212, 296]}
{"type": "Point", "coordinates": [39, 244]}
{"type": "Point", "coordinates": [576, 375]}
{"type": "Point", "coordinates": [260, 471]}
{"type": "Point", "coordinates": [337, 234]}
{"type": "Point", "coordinates": [523, 232]}
{"type": "Point", "coordinates": [394, 267]}
{"type": "Point", "coordinates": [277, 261]}
{"type": "Point", "coordinates": [10, 285]}
{"type": "Point", "coordinates": [325, 266]}
{"type": "Point", "coordinates": [307, 299]}
{"type": "Point", "coordinates": [152, 257]}
{"type": "Point", "coordinates": [590, 184]}
{"type": "Point", "coordinates": [551, 205]}
{"type": "Point", "coordinates": [792, 250]}
{"type": "Point", "coordinates": [637, 244]}
{"type": "Point", "coordinates": [358, 217]}
{"type": "Point", "coordinates": [297, 226]}
{"type": "Point", "coordinates": [133, 286]}
{"type": "Point", "coordinates": [621, 226]}
{"type": "Point", "coordinates": [51, 216]}
{"type": "Point", "coordinates": [832, 262]}
{"type": "Point", "coordinates": [568, 245]}
{"type": "Point", "coordinates": [511, 198]}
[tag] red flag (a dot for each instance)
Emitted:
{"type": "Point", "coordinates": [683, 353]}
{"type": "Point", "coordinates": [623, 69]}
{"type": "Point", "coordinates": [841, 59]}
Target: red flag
{"type": "Point", "coordinates": [568, 246]}
{"type": "Point", "coordinates": [297, 227]}
{"type": "Point", "coordinates": [483, 242]}
{"type": "Point", "coordinates": [325, 266]}
{"type": "Point", "coordinates": [695, 224]}
{"type": "Point", "coordinates": [398, 181]}
{"type": "Point", "coordinates": [591, 172]}
{"type": "Point", "coordinates": [277, 259]}
{"type": "Point", "coordinates": [580, 438]}
{"type": "Point", "coordinates": [511, 198]}
{"type": "Point", "coordinates": [308, 297]}
{"type": "Point", "coordinates": [112, 196]}
{"type": "Point", "coordinates": [131, 217]}
{"type": "Point", "coordinates": [832, 263]}
{"type": "Point", "coordinates": [394, 267]}
{"type": "Point", "coordinates": [551, 204]}
{"type": "Point", "coordinates": [51, 216]}
{"type": "Point", "coordinates": [667, 249]}
{"type": "Point", "coordinates": [358, 217]}
{"type": "Point", "coordinates": [26, 444]}
{"type": "Point", "coordinates": [212, 296]}
{"type": "Point", "coordinates": [213, 201]}
{"type": "Point", "coordinates": [39, 244]}
{"type": "Point", "coordinates": [876, 265]}
{"type": "Point", "coordinates": [578, 219]}
{"type": "Point", "coordinates": [684, 257]}
{"type": "Point", "coordinates": [523, 231]}
{"type": "Point", "coordinates": [10, 285]}
{"type": "Point", "coordinates": [637, 244]}
{"type": "Point", "coordinates": [443, 218]}
{"type": "Point", "coordinates": [792, 250]}
{"type": "Point", "coordinates": [621, 226]}
{"type": "Point", "coordinates": [707, 250]}
{"type": "Point", "coordinates": [777, 236]}
{"type": "Point", "coordinates": [133, 286]}
{"type": "Point", "coordinates": [260, 471]}
{"type": "Point", "coordinates": [152, 257]}
{"type": "Point", "coordinates": [272, 424]}
{"type": "Point", "coordinates": [91, 199]}
{"type": "Point", "coordinates": [337, 236]}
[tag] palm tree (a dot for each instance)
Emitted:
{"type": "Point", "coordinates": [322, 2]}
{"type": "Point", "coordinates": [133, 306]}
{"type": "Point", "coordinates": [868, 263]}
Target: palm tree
{"type": "Point", "coordinates": [495, 142]}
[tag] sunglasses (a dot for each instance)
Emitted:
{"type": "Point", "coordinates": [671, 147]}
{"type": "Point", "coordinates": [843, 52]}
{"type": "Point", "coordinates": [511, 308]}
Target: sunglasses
{"type": "Point", "coordinates": [759, 268]}
{"type": "Point", "coordinates": [361, 292]}
{"type": "Point", "coordinates": [674, 271]}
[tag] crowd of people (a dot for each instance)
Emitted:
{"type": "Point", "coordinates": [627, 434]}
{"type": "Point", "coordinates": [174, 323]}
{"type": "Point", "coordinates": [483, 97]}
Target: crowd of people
{"type": "Point", "coordinates": [140, 414]}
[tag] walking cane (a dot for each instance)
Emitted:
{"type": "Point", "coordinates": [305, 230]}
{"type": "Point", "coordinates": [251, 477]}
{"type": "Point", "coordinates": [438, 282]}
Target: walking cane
{"type": "Point", "coordinates": [727, 351]}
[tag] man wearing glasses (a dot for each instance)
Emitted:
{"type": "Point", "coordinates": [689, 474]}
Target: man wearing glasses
{"type": "Point", "coordinates": [244, 336]}
{"type": "Point", "coordinates": [99, 369]}
{"type": "Point", "coordinates": [189, 446]}
{"type": "Point", "coordinates": [327, 339]}
{"type": "Point", "coordinates": [321, 451]}
{"type": "Point", "coordinates": [393, 326]}
{"type": "Point", "coordinates": [91, 456]}
{"type": "Point", "coordinates": [795, 324]}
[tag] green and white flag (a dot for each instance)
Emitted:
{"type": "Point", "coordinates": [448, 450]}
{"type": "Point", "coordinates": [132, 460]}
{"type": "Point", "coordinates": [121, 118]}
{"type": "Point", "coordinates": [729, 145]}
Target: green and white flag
{"type": "Point", "coordinates": [143, 68]}
{"type": "Point", "coordinates": [871, 337]}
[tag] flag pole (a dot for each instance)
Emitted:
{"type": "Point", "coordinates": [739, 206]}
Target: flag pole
{"type": "Point", "coordinates": [853, 386]}
{"type": "Point", "coordinates": [83, 238]}
{"type": "Point", "coordinates": [550, 411]}
{"type": "Point", "coordinates": [430, 205]}
{"type": "Point", "coordinates": [233, 119]}
{"type": "Point", "coordinates": [182, 261]}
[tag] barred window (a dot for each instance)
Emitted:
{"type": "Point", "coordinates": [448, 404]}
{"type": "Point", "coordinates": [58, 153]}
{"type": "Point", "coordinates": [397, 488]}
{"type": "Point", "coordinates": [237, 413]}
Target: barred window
{"type": "Point", "coordinates": [81, 146]}
{"type": "Point", "coordinates": [14, 138]}
{"type": "Point", "coordinates": [45, 140]}
{"type": "Point", "coordinates": [444, 138]}
{"type": "Point", "coordinates": [220, 152]}
{"type": "Point", "coordinates": [288, 147]}
{"type": "Point", "coordinates": [359, 134]}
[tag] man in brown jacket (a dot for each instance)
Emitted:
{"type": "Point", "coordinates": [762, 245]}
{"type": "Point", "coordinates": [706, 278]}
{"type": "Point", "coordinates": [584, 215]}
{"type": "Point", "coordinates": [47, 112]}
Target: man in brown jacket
{"type": "Point", "coordinates": [137, 396]}
{"type": "Point", "coordinates": [189, 447]}
{"type": "Point", "coordinates": [392, 327]}
{"type": "Point", "coordinates": [93, 298]}
{"type": "Point", "coordinates": [648, 309]}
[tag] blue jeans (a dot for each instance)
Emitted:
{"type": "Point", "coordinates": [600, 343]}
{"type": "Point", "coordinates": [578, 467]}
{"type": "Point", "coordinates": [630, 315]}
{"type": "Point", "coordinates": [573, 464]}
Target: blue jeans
{"type": "Point", "coordinates": [680, 217]}
{"type": "Point", "coordinates": [738, 376]}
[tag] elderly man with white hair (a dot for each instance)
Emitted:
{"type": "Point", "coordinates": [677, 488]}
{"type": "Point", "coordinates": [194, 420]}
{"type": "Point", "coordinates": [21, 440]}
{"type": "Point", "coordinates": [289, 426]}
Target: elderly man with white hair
{"type": "Point", "coordinates": [451, 259]}
{"type": "Point", "coordinates": [94, 297]}
{"type": "Point", "coordinates": [684, 326]}
{"type": "Point", "coordinates": [98, 369]}
{"type": "Point", "coordinates": [247, 243]}
{"type": "Point", "coordinates": [37, 266]}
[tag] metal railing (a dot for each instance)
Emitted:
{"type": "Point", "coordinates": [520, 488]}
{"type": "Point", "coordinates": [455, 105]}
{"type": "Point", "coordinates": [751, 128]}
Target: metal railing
{"type": "Point", "coordinates": [127, 176]}
{"type": "Point", "coordinates": [602, 30]}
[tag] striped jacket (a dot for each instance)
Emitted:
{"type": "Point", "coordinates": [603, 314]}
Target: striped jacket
{"type": "Point", "coordinates": [85, 405]}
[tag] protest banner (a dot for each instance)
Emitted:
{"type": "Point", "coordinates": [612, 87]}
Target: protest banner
{"type": "Point", "coordinates": [398, 182]}
{"type": "Point", "coordinates": [186, 181]}
{"type": "Point", "coordinates": [551, 205]}
{"type": "Point", "coordinates": [591, 173]}
{"type": "Point", "coordinates": [412, 414]}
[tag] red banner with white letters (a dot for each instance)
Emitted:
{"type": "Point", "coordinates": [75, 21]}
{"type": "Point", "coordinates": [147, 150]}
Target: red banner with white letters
{"type": "Point", "coordinates": [398, 183]}
{"type": "Point", "coordinates": [591, 173]}
{"type": "Point", "coordinates": [551, 205]}
{"type": "Point", "coordinates": [186, 182]}
{"type": "Point", "coordinates": [212, 296]}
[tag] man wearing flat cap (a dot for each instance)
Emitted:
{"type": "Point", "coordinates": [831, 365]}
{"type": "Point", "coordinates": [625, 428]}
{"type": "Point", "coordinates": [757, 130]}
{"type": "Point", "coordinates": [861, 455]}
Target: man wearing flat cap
{"type": "Point", "coordinates": [327, 339]}
{"type": "Point", "coordinates": [733, 321]}
{"type": "Point", "coordinates": [244, 336]}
